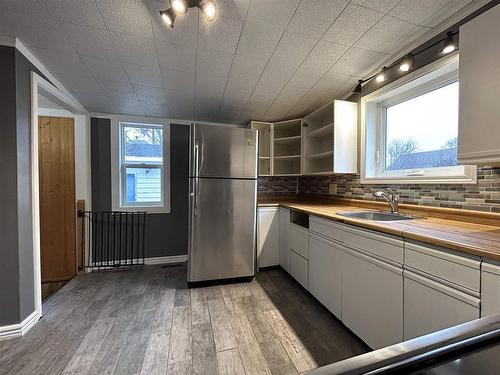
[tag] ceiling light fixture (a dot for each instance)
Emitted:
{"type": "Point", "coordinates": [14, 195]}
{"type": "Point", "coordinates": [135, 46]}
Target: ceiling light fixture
{"type": "Point", "coordinates": [381, 77]}
{"type": "Point", "coordinates": [406, 63]}
{"type": "Point", "coordinates": [168, 16]}
{"type": "Point", "coordinates": [179, 7]}
{"type": "Point", "coordinates": [449, 44]}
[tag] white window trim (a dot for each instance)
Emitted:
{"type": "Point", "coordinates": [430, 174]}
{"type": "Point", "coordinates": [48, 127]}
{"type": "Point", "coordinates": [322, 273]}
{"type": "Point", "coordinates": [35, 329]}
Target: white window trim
{"type": "Point", "coordinates": [434, 75]}
{"type": "Point", "coordinates": [117, 178]}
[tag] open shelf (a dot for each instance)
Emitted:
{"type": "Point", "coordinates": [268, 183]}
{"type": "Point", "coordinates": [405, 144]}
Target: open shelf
{"type": "Point", "coordinates": [287, 139]}
{"type": "Point", "coordinates": [321, 132]}
{"type": "Point", "coordinates": [286, 157]}
{"type": "Point", "coordinates": [319, 155]}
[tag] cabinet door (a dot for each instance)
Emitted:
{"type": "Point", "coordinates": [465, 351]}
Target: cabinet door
{"type": "Point", "coordinates": [431, 306]}
{"type": "Point", "coordinates": [283, 238]}
{"type": "Point", "coordinates": [325, 273]}
{"type": "Point", "coordinates": [299, 268]}
{"type": "Point", "coordinates": [372, 299]}
{"type": "Point", "coordinates": [490, 288]}
{"type": "Point", "coordinates": [268, 237]}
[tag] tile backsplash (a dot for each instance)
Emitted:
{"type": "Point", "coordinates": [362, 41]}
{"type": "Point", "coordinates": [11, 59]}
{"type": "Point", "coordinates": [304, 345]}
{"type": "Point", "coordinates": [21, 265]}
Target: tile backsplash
{"type": "Point", "coordinates": [483, 196]}
{"type": "Point", "coordinates": [278, 185]}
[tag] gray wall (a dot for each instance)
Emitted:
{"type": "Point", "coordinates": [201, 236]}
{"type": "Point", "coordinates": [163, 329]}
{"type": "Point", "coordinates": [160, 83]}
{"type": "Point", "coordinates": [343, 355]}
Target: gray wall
{"type": "Point", "coordinates": [166, 233]}
{"type": "Point", "coordinates": [16, 246]}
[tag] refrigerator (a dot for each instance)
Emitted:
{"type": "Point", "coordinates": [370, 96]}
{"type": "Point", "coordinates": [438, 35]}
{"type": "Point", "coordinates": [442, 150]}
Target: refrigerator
{"type": "Point", "coordinates": [222, 203]}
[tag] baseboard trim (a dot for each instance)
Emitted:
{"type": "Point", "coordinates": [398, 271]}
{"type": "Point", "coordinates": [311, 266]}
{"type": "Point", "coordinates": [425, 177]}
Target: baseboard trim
{"type": "Point", "coordinates": [166, 260]}
{"type": "Point", "coordinates": [19, 329]}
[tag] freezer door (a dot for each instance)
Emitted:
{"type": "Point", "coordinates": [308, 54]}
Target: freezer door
{"type": "Point", "coordinates": [222, 229]}
{"type": "Point", "coordinates": [223, 151]}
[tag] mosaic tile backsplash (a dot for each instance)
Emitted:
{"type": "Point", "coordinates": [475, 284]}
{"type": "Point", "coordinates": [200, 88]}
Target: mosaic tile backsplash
{"type": "Point", "coordinates": [278, 185]}
{"type": "Point", "coordinates": [483, 196]}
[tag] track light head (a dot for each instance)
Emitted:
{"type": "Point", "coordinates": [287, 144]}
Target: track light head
{"type": "Point", "coordinates": [208, 9]}
{"type": "Point", "coordinates": [179, 6]}
{"type": "Point", "coordinates": [357, 89]}
{"type": "Point", "coordinates": [407, 63]}
{"type": "Point", "coordinates": [449, 44]}
{"type": "Point", "coordinates": [168, 16]}
{"type": "Point", "coordinates": [381, 77]}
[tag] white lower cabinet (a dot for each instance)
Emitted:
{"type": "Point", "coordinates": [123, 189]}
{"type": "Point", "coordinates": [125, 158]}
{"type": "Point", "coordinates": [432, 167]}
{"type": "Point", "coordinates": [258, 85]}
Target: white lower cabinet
{"type": "Point", "coordinates": [430, 306]}
{"type": "Point", "coordinates": [325, 273]}
{"type": "Point", "coordinates": [283, 238]}
{"type": "Point", "coordinates": [268, 236]}
{"type": "Point", "coordinates": [299, 268]}
{"type": "Point", "coordinates": [372, 299]}
{"type": "Point", "coordinates": [490, 288]}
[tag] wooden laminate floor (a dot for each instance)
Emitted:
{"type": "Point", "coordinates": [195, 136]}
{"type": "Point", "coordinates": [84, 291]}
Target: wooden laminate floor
{"type": "Point", "coordinates": [146, 321]}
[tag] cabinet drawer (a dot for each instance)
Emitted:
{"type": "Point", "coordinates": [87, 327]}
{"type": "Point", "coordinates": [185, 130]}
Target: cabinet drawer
{"type": "Point", "coordinates": [298, 240]}
{"type": "Point", "coordinates": [431, 306]}
{"type": "Point", "coordinates": [490, 288]}
{"type": "Point", "coordinates": [385, 246]}
{"type": "Point", "coordinates": [299, 268]}
{"type": "Point", "coordinates": [462, 270]}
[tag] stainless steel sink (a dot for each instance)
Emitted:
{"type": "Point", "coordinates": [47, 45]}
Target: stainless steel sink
{"type": "Point", "coordinates": [375, 215]}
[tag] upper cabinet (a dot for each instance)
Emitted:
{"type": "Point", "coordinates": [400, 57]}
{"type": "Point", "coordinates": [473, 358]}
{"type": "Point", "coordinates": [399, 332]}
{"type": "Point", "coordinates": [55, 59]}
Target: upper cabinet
{"type": "Point", "coordinates": [479, 114]}
{"type": "Point", "coordinates": [324, 142]}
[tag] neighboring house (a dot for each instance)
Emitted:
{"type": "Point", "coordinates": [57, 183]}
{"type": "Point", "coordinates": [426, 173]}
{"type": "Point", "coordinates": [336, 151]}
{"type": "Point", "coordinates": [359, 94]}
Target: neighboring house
{"type": "Point", "coordinates": [438, 158]}
{"type": "Point", "coordinates": [143, 185]}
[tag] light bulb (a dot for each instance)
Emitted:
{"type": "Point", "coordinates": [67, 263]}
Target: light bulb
{"type": "Point", "coordinates": [381, 76]}
{"type": "Point", "coordinates": [180, 6]}
{"type": "Point", "coordinates": [208, 9]}
{"type": "Point", "coordinates": [449, 44]}
{"type": "Point", "coordinates": [406, 63]}
{"type": "Point", "coordinates": [168, 16]}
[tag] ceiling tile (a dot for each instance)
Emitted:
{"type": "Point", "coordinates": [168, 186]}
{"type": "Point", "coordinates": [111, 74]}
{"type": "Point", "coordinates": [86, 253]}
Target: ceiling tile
{"type": "Point", "coordinates": [255, 109]}
{"type": "Point", "coordinates": [90, 41]}
{"type": "Point", "coordinates": [105, 69]}
{"type": "Point", "coordinates": [81, 12]}
{"type": "Point", "coordinates": [257, 40]}
{"type": "Point", "coordinates": [144, 75]}
{"type": "Point", "coordinates": [324, 55]}
{"type": "Point", "coordinates": [128, 107]}
{"type": "Point", "coordinates": [209, 87]}
{"type": "Point", "coordinates": [266, 92]}
{"type": "Point", "coordinates": [450, 9]}
{"type": "Point", "coordinates": [382, 6]}
{"type": "Point", "coordinates": [291, 94]}
{"type": "Point", "coordinates": [238, 91]}
{"type": "Point", "coordinates": [135, 50]}
{"type": "Point", "coordinates": [176, 79]}
{"type": "Point", "coordinates": [213, 63]}
{"type": "Point", "coordinates": [80, 85]}
{"type": "Point", "coordinates": [358, 62]}
{"type": "Point", "coordinates": [126, 16]}
{"type": "Point", "coordinates": [387, 32]}
{"type": "Point", "coordinates": [97, 103]}
{"type": "Point", "coordinates": [176, 57]}
{"type": "Point", "coordinates": [234, 9]}
{"type": "Point", "coordinates": [154, 95]}
{"type": "Point", "coordinates": [293, 48]}
{"type": "Point", "coordinates": [220, 35]}
{"type": "Point", "coordinates": [352, 24]}
{"type": "Point", "coordinates": [417, 12]}
{"type": "Point", "coordinates": [118, 90]}
{"type": "Point", "coordinates": [62, 61]}
{"type": "Point", "coordinates": [273, 14]}
{"type": "Point", "coordinates": [247, 68]}
{"type": "Point", "coordinates": [155, 110]}
{"type": "Point", "coordinates": [278, 111]}
{"type": "Point", "coordinates": [314, 17]}
{"type": "Point", "coordinates": [24, 6]}
{"type": "Point", "coordinates": [306, 76]}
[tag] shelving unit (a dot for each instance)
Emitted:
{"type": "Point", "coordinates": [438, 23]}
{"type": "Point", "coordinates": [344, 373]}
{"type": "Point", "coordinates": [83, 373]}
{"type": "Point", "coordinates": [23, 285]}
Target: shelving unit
{"type": "Point", "coordinates": [265, 150]}
{"type": "Point", "coordinates": [322, 143]}
{"type": "Point", "coordinates": [287, 147]}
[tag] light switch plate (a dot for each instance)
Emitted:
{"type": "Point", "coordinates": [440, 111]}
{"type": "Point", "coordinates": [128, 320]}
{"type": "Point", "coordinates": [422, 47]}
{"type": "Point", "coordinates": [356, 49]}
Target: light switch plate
{"type": "Point", "coordinates": [333, 189]}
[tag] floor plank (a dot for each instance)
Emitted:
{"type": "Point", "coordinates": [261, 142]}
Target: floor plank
{"type": "Point", "coordinates": [229, 362]}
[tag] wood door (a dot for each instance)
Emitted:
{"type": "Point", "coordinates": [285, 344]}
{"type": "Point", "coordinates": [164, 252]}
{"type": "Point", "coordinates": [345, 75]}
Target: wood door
{"type": "Point", "coordinates": [57, 198]}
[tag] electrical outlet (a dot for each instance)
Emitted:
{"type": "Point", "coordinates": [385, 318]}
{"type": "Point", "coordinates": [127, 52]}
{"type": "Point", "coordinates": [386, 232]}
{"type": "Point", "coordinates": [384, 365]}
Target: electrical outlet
{"type": "Point", "coordinates": [333, 189]}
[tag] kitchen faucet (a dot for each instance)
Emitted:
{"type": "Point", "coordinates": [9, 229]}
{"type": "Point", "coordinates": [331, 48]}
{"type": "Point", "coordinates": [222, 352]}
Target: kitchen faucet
{"type": "Point", "coordinates": [390, 197]}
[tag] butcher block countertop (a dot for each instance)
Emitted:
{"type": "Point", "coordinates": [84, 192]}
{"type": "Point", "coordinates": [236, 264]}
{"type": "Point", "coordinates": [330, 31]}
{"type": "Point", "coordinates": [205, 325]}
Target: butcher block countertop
{"type": "Point", "coordinates": [471, 232]}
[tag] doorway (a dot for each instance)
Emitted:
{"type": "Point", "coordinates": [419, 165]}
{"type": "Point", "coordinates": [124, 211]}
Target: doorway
{"type": "Point", "coordinates": [56, 158]}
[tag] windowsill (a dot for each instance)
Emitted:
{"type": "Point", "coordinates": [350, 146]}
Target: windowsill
{"type": "Point", "coordinates": [421, 180]}
{"type": "Point", "coordinates": [147, 210]}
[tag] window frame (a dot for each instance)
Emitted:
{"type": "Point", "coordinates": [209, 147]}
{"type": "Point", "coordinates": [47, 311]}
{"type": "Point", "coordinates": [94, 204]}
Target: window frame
{"type": "Point", "coordinates": [119, 175]}
{"type": "Point", "coordinates": [373, 123]}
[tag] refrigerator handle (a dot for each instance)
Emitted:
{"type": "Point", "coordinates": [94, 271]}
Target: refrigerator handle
{"type": "Point", "coordinates": [196, 153]}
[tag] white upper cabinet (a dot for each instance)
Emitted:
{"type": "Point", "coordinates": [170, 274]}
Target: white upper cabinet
{"type": "Point", "coordinates": [479, 126]}
{"type": "Point", "coordinates": [324, 142]}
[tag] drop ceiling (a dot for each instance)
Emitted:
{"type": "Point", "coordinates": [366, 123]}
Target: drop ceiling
{"type": "Point", "coordinates": [260, 59]}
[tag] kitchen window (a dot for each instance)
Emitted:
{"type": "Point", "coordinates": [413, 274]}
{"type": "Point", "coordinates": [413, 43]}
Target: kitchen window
{"type": "Point", "coordinates": [410, 129]}
{"type": "Point", "coordinates": [142, 167]}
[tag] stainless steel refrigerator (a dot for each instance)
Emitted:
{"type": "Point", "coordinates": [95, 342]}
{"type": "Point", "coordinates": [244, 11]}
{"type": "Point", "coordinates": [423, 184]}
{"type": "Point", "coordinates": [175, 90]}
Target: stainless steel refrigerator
{"type": "Point", "coordinates": [222, 203]}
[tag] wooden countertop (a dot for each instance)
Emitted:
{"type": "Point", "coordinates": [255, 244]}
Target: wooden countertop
{"type": "Point", "coordinates": [462, 235]}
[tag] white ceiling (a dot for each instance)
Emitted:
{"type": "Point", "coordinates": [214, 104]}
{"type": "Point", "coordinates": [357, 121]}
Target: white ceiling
{"type": "Point", "coordinates": [260, 59]}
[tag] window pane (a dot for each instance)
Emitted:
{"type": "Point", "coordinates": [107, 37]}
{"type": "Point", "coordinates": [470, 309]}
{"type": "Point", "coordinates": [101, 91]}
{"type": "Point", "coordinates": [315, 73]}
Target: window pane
{"type": "Point", "coordinates": [143, 145]}
{"type": "Point", "coordinates": [143, 185]}
{"type": "Point", "coordinates": [422, 132]}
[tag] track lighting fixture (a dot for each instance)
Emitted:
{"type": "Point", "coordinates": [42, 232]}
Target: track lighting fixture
{"type": "Point", "coordinates": [357, 89]}
{"type": "Point", "coordinates": [381, 77]}
{"type": "Point", "coordinates": [406, 64]}
{"type": "Point", "coordinates": [168, 16]}
{"type": "Point", "coordinates": [449, 44]}
{"type": "Point", "coordinates": [178, 7]}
